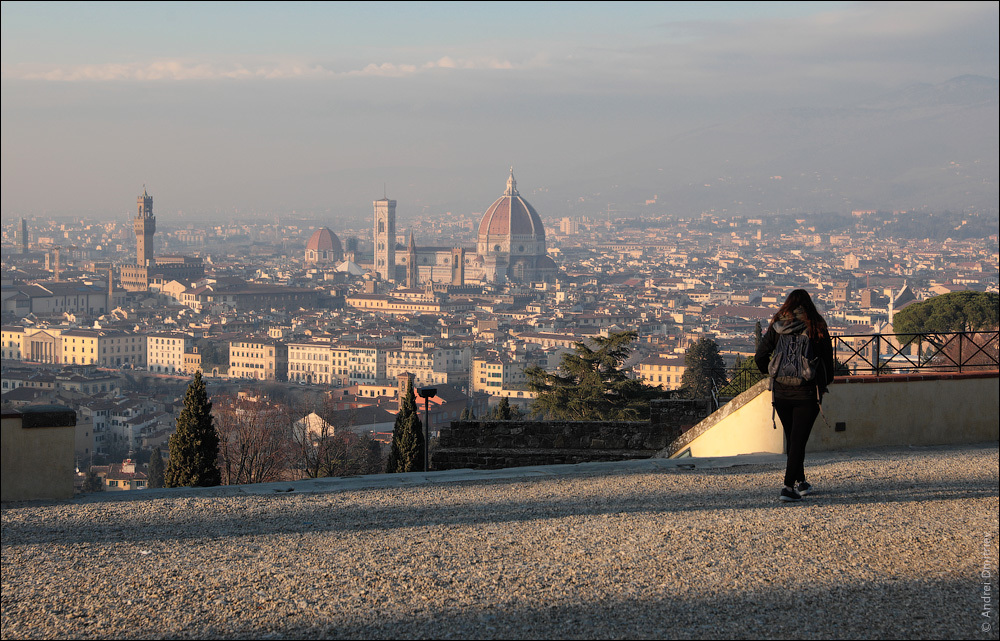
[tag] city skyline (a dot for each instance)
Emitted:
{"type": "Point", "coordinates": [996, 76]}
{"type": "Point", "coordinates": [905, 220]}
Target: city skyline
{"type": "Point", "coordinates": [314, 107]}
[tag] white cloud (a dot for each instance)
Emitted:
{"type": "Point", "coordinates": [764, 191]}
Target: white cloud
{"type": "Point", "coordinates": [160, 70]}
{"type": "Point", "coordinates": [179, 70]}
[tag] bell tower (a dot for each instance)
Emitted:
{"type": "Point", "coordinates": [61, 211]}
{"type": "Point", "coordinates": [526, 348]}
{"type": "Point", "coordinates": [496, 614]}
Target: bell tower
{"type": "Point", "coordinates": [385, 238]}
{"type": "Point", "coordinates": [411, 264]}
{"type": "Point", "coordinates": [145, 226]}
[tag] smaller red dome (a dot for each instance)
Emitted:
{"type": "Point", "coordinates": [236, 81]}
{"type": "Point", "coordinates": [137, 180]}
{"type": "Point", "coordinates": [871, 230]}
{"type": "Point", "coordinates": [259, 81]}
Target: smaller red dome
{"type": "Point", "coordinates": [324, 247]}
{"type": "Point", "coordinates": [324, 240]}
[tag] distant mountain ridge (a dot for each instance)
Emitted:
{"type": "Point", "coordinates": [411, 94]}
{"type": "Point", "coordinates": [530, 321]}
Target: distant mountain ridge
{"type": "Point", "coordinates": [923, 146]}
{"type": "Point", "coordinates": [963, 90]}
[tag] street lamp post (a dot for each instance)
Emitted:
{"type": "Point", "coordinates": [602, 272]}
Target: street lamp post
{"type": "Point", "coordinates": [426, 393]}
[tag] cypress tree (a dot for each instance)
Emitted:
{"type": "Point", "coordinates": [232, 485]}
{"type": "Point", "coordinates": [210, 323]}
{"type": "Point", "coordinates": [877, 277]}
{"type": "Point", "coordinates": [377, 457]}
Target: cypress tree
{"type": "Point", "coordinates": [407, 452]}
{"type": "Point", "coordinates": [94, 483]}
{"type": "Point", "coordinates": [194, 447]}
{"type": "Point", "coordinates": [502, 411]}
{"type": "Point", "coordinates": [373, 457]}
{"type": "Point", "coordinates": [155, 470]}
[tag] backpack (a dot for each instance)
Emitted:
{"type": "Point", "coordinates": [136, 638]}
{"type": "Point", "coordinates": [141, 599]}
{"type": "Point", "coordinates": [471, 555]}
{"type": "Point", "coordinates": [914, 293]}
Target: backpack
{"type": "Point", "coordinates": [794, 361]}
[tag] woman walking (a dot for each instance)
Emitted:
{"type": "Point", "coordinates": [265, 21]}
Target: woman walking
{"type": "Point", "coordinates": [797, 328]}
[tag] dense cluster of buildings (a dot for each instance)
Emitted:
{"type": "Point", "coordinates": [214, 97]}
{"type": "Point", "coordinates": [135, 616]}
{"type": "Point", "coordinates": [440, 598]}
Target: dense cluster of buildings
{"type": "Point", "coordinates": [354, 314]}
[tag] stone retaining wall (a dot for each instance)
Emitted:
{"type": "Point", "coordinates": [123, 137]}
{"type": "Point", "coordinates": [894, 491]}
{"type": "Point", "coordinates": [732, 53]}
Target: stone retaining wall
{"type": "Point", "coordinates": [500, 444]}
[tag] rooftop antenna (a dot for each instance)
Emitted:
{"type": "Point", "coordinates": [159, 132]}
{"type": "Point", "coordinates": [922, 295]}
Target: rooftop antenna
{"type": "Point", "coordinates": [385, 193]}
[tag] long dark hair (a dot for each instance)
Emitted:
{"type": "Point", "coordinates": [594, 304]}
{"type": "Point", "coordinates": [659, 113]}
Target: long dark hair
{"type": "Point", "coordinates": [799, 298]}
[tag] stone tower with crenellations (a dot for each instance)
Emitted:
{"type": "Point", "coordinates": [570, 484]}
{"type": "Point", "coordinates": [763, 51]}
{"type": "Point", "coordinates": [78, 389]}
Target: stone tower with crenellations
{"type": "Point", "coordinates": [137, 277]}
{"type": "Point", "coordinates": [145, 227]}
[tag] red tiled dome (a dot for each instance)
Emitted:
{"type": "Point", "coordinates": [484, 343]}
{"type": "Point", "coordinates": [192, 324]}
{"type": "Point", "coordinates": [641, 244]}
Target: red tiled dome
{"type": "Point", "coordinates": [324, 240]}
{"type": "Point", "coordinates": [511, 215]}
{"type": "Point", "coordinates": [511, 241]}
{"type": "Point", "coordinates": [324, 247]}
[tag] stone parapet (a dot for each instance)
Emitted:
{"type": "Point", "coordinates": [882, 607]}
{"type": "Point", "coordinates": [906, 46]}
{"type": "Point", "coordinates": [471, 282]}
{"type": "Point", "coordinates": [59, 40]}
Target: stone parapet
{"type": "Point", "coordinates": [677, 415]}
{"type": "Point", "coordinates": [37, 453]}
{"type": "Point", "coordinates": [500, 444]}
{"type": "Point", "coordinates": [500, 458]}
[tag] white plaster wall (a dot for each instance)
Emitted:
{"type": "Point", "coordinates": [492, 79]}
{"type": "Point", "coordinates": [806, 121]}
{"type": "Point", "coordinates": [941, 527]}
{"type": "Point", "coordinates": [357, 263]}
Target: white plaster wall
{"type": "Point", "coordinates": [933, 411]}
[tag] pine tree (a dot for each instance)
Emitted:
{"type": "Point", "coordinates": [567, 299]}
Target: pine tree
{"type": "Point", "coordinates": [758, 335]}
{"type": "Point", "coordinates": [966, 311]}
{"type": "Point", "coordinates": [592, 383]}
{"type": "Point", "coordinates": [194, 447]}
{"type": "Point", "coordinates": [155, 470]}
{"type": "Point", "coordinates": [407, 452]}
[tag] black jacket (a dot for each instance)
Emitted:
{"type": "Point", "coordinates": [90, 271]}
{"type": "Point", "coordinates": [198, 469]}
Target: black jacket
{"type": "Point", "coordinates": [811, 391]}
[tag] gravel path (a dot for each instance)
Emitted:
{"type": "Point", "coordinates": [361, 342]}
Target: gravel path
{"type": "Point", "coordinates": [892, 545]}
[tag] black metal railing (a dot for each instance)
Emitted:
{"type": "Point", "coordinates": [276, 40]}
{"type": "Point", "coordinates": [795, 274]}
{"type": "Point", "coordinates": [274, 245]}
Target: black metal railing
{"type": "Point", "coordinates": [883, 354]}
{"type": "Point", "coordinates": [731, 383]}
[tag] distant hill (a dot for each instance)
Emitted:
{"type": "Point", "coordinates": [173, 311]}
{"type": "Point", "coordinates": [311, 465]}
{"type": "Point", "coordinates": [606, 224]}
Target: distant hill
{"type": "Point", "coordinates": [923, 146]}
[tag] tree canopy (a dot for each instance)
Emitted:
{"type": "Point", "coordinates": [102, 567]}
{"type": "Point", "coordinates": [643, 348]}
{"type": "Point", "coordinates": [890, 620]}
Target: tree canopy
{"type": "Point", "coordinates": [213, 354]}
{"type": "Point", "coordinates": [194, 447]}
{"type": "Point", "coordinates": [703, 369]}
{"type": "Point", "coordinates": [966, 311]}
{"type": "Point", "coordinates": [591, 384]}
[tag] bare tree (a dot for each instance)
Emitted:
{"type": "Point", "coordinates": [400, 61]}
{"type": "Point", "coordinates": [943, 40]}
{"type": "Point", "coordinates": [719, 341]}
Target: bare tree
{"type": "Point", "coordinates": [260, 441]}
{"type": "Point", "coordinates": [352, 453]}
{"type": "Point", "coordinates": [324, 447]}
{"type": "Point", "coordinates": [312, 438]}
{"type": "Point", "coordinates": [255, 444]}
{"type": "Point", "coordinates": [969, 351]}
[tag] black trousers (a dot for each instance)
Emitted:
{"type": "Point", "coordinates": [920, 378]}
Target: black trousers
{"type": "Point", "coordinates": [797, 418]}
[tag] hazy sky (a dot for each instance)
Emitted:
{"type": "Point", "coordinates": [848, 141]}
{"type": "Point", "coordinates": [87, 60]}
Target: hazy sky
{"type": "Point", "coordinates": [261, 107]}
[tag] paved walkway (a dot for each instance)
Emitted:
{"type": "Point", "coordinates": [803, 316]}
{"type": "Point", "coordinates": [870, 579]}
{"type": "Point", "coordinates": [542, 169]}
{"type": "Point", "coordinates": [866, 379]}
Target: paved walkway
{"type": "Point", "coordinates": [379, 481]}
{"type": "Point", "coordinates": [894, 544]}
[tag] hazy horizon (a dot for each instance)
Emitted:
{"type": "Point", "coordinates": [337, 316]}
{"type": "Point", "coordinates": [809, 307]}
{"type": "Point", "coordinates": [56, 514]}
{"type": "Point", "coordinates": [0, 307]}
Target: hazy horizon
{"type": "Point", "coordinates": [264, 109]}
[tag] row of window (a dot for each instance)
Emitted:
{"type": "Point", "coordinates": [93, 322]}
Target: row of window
{"type": "Point", "coordinates": [249, 365]}
{"type": "Point", "coordinates": [659, 379]}
{"type": "Point", "coordinates": [301, 367]}
{"type": "Point", "coordinates": [309, 356]}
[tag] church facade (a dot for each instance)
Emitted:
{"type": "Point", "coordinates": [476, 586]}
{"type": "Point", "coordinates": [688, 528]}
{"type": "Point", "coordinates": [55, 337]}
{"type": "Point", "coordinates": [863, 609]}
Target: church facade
{"type": "Point", "coordinates": [510, 248]}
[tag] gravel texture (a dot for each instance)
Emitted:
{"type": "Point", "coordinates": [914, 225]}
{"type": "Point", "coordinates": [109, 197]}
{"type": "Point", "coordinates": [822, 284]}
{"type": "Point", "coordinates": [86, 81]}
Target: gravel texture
{"type": "Point", "coordinates": [893, 544]}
